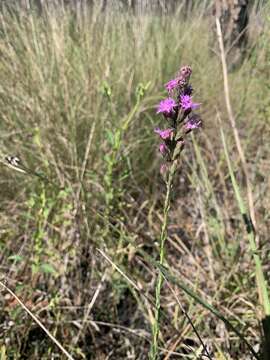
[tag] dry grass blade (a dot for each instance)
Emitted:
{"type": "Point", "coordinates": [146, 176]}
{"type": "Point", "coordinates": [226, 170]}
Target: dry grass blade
{"type": "Point", "coordinates": [131, 282]}
{"type": "Point", "coordinates": [167, 275]}
{"type": "Point", "coordinates": [190, 322]}
{"type": "Point", "coordinates": [234, 127]}
{"type": "Point", "coordinates": [249, 218]}
{"type": "Point", "coordinates": [57, 343]}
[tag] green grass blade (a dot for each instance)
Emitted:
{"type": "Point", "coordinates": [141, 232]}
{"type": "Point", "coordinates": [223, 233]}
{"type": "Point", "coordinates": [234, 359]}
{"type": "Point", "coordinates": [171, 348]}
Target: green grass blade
{"type": "Point", "coordinates": [261, 283]}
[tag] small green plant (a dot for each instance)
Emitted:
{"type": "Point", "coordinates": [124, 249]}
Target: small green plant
{"type": "Point", "coordinates": [113, 190]}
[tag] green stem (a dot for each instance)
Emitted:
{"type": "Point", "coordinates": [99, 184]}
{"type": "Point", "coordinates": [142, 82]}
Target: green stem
{"type": "Point", "coordinates": [155, 328]}
{"type": "Point", "coordinates": [260, 278]}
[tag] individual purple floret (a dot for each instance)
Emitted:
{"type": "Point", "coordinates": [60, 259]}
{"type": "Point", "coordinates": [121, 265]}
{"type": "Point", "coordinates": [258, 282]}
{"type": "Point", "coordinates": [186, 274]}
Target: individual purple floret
{"type": "Point", "coordinates": [163, 149]}
{"type": "Point", "coordinates": [171, 85]}
{"type": "Point", "coordinates": [187, 104]}
{"type": "Point", "coordinates": [164, 134]}
{"type": "Point", "coordinates": [163, 169]}
{"type": "Point", "coordinates": [166, 106]}
{"type": "Point", "coordinates": [194, 122]}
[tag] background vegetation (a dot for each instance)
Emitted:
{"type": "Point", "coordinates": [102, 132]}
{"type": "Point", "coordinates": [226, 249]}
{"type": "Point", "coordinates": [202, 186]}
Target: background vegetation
{"type": "Point", "coordinates": [77, 105]}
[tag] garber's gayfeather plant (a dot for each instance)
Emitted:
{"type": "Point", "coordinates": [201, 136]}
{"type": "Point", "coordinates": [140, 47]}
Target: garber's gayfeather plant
{"type": "Point", "coordinates": [178, 112]}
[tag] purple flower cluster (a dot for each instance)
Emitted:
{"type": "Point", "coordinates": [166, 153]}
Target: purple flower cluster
{"type": "Point", "coordinates": [166, 107]}
{"type": "Point", "coordinates": [177, 109]}
{"type": "Point", "coordinates": [187, 104]}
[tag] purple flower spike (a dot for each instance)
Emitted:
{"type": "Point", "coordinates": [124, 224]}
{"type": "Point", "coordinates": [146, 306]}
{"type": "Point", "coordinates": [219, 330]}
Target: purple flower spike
{"type": "Point", "coordinates": [163, 149]}
{"type": "Point", "coordinates": [177, 109]}
{"type": "Point", "coordinates": [187, 104]}
{"type": "Point", "coordinates": [194, 122]}
{"type": "Point", "coordinates": [166, 106]}
{"type": "Point", "coordinates": [164, 134]}
{"type": "Point", "coordinates": [171, 85]}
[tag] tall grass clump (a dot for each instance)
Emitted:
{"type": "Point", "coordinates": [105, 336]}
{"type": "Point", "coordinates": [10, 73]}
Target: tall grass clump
{"type": "Point", "coordinates": [78, 95]}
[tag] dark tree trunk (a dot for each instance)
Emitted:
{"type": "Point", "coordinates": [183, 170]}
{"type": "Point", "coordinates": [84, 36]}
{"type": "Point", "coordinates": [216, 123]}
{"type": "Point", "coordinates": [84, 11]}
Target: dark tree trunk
{"type": "Point", "coordinates": [233, 16]}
